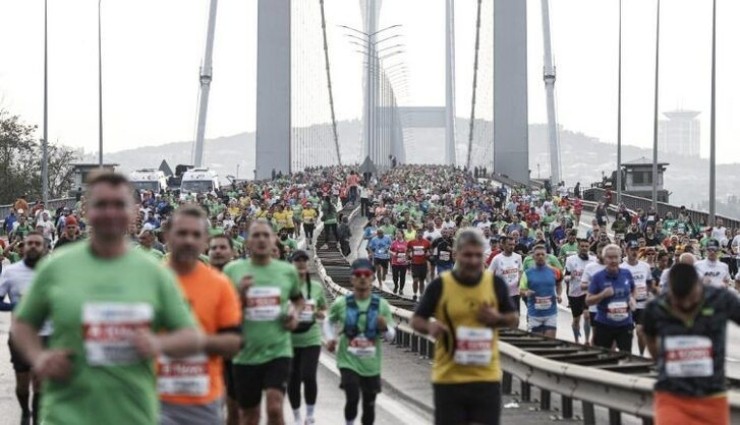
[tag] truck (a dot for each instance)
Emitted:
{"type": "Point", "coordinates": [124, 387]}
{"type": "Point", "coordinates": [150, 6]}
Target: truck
{"type": "Point", "coordinates": [148, 179]}
{"type": "Point", "coordinates": [199, 180]}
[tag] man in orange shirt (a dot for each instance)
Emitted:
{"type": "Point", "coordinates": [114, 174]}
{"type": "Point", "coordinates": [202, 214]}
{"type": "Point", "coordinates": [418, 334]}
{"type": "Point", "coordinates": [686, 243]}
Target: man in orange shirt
{"type": "Point", "coordinates": [353, 180]}
{"type": "Point", "coordinates": [191, 388]}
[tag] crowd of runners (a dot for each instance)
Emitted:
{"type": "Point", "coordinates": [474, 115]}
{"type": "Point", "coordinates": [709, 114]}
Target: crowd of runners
{"type": "Point", "coordinates": [166, 307]}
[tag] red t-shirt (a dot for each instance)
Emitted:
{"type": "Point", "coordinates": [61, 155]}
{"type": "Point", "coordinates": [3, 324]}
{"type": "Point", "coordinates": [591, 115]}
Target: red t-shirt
{"type": "Point", "coordinates": [418, 250]}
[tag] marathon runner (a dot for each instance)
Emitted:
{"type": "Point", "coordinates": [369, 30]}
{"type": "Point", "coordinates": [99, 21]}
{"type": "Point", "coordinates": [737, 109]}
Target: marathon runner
{"type": "Point", "coordinates": [588, 273]}
{"type": "Point", "coordinates": [508, 266]}
{"type": "Point", "coordinates": [191, 388]}
{"type": "Point", "coordinates": [575, 265]}
{"type": "Point", "coordinates": [309, 215]}
{"type": "Point", "coordinates": [612, 291]}
{"type": "Point", "coordinates": [106, 302]}
{"type": "Point", "coordinates": [419, 250]}
{"type": "Point", "coordinates": [363, 320]}
{"type": "Point", "coordinates": [469, 305]}
{"type": "Point", "coordinates": [378, 251]}
{"type": "Point", "coordinates": [15, 281]}
{"type": "Point", "coordinates": [712, 271]}
{"type": "Point", "coordinates": [686, 331]}
{"type": "Point", "coordinates": [220, 253]}
{"type": "Point", "coordinates": [442, 247]}
{"type": "Point", "coordinates": [643, 278]}
{"type": "Point", "coordinates": [540, 287]}
{"type": "Point", "coordinates": [271, 294]}
{"type": "Point", "coordinates": [399, 262]}
{"type": "Point", "coordinates": [306, 340]}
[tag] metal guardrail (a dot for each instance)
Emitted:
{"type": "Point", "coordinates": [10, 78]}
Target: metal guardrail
{"type": "Point", "coordinates": [618, 392]}
{"type": "Point", "coordinates": [596, 194]}
{"type": "Point", "coordinates": [52, 205]}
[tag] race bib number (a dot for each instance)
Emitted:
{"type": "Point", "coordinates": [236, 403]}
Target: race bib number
{"type": "Point", "coordinates": [542, 303]}
{"type": "Point", "coordinates": [362, 347]}
{"type": "Point", "coordinates": [263, 304]}
{"type": "Point", "coordinates": [641, 292]}
{"type": "Point", "coordinates": [184, 377]}
{"type": "Point", "coordinates": [688, 356]}
{"type": "Point", "coordinates": [309, 312]}
{"type": "Point", "coordinates": [618, 311]}
{"type": "Point", "coordinates": [474, 346]}
{"type": "Point", "coordinates": [419, 251]}
{"type": "Point", "coordinates": [401, 257]}
{"type": "Point", "coordinates": [444, 256]}
{"type": "Point", "coordinates": [107, 329]}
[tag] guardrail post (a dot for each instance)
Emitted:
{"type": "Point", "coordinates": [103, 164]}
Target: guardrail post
{"type": "Point", "coordinates": [589, 416]}
{"type": "Point", "coordinates": [423, 344]}
{"type": "Point", "coordinates": [647, 421]}
{"type": "Point", "coordinates": [526, 392]}
{"type": "Point", "coordinates": [544, 400]}
{"type": "Point", "coordinates": [414, 343]}
{"type": "Point", "coordinates": [566, 404]}
{"type": "Point", "coordinates": [506, 383]}
{"type": "Point", "coordinates": [615, 417]}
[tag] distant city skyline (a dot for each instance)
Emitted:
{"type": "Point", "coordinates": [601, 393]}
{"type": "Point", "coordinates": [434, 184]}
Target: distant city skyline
{"type": "Point", "coordinates": [150, 82]}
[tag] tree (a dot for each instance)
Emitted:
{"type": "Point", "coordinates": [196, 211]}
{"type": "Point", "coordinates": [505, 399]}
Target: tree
{"type": "Point", "coordinates": [20, 162]}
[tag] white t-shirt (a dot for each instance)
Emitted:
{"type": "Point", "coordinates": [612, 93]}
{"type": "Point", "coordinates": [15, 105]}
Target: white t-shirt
{"type": "Point", "coordinates": [15, 280]}
{"type": "Point", "coordinates": [736, 245]}
{"type": "Point", "coordinates": [719, 233]}
{"type": "Point", "coordinates": [641, 274]}
{"type": "Point", "coordinates": [714, 273]}
{"type": "Point", "coordinates": [588, 274]}
{"type": "Point", "coordinates": [433, 235]}
{"type": "Point", "coordinates": [508, 268]}
{"type": "Point", "coordinates": [574, 266]}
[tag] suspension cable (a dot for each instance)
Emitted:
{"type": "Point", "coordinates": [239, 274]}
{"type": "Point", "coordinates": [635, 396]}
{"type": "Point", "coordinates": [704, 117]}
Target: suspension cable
{"type": "Point", "coordinates": [328, 79]}
{"type": "Point", "coordinates": [475, 86]}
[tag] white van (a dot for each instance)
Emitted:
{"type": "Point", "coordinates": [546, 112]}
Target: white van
{"type": "Point", "coordinates": [199, 180]}
{"type": "Point", "coordinates": [148, 179]}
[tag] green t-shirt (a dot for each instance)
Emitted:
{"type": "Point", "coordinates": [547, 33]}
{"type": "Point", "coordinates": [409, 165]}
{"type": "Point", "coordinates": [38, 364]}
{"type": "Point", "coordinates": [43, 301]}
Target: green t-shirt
{"type": "Point", "coordinates": [552, 260]}
{"type": "Point", "coordinates": [315, 302]}
{"type": "Point", "coordinates": [290, 243]}
{"type": "Point", "coordinates": [156, 254]}
{"type": "Point", "coordinates": [274, 286]}
{"type": "Point", "coordinates": [298, 212]}
{"type": "Point", "coordinates": [568, 249]}
{"type": "Point", "coordinates": [87, 299]}
{"type": "Point", "coordinates": [363, 366]}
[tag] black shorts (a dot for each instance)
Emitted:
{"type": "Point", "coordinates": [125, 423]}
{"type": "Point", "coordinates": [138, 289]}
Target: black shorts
{"type": "Point", "coordinates": [366, 384]}
{"type": "Point", "coordinates": [251, 380]}
{"type": "Point", "coordinates": [577, 305]}
{"type": "Point", "coordinates": [20, 365]}
{"type": "Point", "coordinates": [638, 316]}
{"type": "Point", "coordinates": [381, 262]}
{"type": "Point", "coordinates": [419, 271]}
{"type": "Point", "coordinates": [516, 301]}
{"type": "Point", "coordinates": [229, 382]}
{"type": "Point", "coordinates": [475, 402]}
{"type": "Point", "coordinates": [592, 317]}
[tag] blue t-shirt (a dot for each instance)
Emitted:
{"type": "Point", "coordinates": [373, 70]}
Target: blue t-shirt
{"type": "Point", "coordinates": [543, 281]}
{"type": "Point", "coordinates": [380, 247]}
{"type": "Point", "coordinates": [615, 310]}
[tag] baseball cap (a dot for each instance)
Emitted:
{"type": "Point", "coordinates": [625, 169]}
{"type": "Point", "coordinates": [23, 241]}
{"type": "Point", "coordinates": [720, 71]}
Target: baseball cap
{"type": "Point", "coordinates": [361, 265]}
{"type": "Point", "coordinates": [633, 245]}
{"type": "Point", "coordinates": [713, 244]}
{"type": "Point", "coordinates": [299, 254]}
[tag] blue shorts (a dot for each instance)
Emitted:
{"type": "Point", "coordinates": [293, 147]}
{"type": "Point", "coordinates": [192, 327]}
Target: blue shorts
{"type": "Point", "coordinates": [444, 267]}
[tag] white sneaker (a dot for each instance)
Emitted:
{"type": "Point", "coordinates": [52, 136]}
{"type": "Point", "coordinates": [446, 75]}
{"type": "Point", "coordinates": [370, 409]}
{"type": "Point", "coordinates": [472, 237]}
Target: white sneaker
{"type": "Point", "coordinates": [310, 421]}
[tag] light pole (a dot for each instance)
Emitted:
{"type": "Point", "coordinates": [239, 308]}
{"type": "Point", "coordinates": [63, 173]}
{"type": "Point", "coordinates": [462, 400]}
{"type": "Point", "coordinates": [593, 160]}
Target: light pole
{"type": "Point", "coordinates": [45, 141]}
{"type": "Point", "coordinates": [712, 124]}
{"type": "Point", "coordinates": [619, 112]}
{"type": "Point", "coordinates": [100, 89]}
{"type": "Point", "coordinates": [655, 110]}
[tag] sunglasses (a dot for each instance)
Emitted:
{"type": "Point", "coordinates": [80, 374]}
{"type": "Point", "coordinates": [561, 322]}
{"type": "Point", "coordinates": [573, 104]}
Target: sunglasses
{"type": "Point", "coordinates": [363, 273]}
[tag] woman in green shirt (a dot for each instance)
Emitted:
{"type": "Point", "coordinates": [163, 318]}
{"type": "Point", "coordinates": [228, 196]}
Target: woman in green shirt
{"type": "Point", "coordinates": [306, 340]}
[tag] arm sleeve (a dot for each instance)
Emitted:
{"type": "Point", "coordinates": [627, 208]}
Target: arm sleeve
{"type": "Point", "coordinates": [34, 306]}
{"type": "Point", "coordinates": [174, 313]}
{"type": "Point", "coordinates": [502, 295]}
{"type": "Point", "coordinates": [430, 299]}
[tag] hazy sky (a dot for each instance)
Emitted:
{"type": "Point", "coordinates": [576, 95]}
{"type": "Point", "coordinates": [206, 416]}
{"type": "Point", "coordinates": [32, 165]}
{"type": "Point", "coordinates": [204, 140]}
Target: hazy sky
{"type": "Point", "coordinates": [153, 49]}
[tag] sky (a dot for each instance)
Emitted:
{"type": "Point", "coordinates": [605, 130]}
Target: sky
{"type": "Point", "coordinates": [153, 50]}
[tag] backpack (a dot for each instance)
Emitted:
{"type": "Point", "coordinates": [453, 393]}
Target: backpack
{"type": "Point", "coordinates": [352, 317]}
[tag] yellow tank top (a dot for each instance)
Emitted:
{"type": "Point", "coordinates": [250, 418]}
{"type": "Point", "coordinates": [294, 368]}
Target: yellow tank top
{"type": "Point", "coordinates": [469, 353]}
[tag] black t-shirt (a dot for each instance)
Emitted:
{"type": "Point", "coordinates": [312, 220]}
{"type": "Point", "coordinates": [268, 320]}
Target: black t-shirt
{"type": "Point", "coordinates": [433, 293]}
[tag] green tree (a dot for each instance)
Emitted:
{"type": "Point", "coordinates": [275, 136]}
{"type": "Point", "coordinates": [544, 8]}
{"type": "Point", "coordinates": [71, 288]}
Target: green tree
{"type": "Point", "coordinates": [20, 162]}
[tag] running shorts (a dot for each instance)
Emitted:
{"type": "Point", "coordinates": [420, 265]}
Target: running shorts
{"type": "Point", "coordinates": [20, 365]}
{"type": "Point", "coordinates": [381, 262]}
{"type": "Point", "coordinates": [251, 380]}
{"type": "Point", "coordinates": [366, 384]}
{"type": "Point", "coordinates": [638, 316]}
{"type": "Point", "coordinates": [577, 305]}
{"type": "Point", "coordinates": [473, 402]}
{"type": "Point", "coordinates": [541, 324]}
{"type": "Point", "coordinates": [190, 414]}
{"type": "Point", "coordinates": [672, 409]}
{"type": "Point", "coordinates": [419, 271]}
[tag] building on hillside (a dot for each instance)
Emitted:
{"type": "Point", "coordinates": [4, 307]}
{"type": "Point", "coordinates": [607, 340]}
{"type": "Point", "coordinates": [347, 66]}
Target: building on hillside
{"type": "Point", "coordinates": [680, 134]}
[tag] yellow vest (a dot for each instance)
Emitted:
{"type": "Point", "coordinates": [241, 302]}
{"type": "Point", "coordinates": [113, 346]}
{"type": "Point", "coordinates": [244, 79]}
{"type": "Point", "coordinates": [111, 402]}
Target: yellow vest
{"type": "Point", "coordinates": [458, 309]}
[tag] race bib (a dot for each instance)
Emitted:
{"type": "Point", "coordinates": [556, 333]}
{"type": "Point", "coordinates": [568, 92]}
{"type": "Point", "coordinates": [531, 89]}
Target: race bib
{"type": "Point", "coordinates": [401, 257]}
{"type": "Point", "coordinates": [419, 251]}
{"type": "Point", "coordinates": [361, 347]}
{"type": "Point", "coordinates": [263, 304]}
{"type": "Point", "coordinates": [618, 311]}
{"type": "Point", "coordinates": [688, 356]}
{"type": "Point", "coordinates": [444, 256]}
{"type": "Point", "coordinates": [309, 312]}
{"type": "Point", "coordinates": [184, 377]}
{"type": "Point", "coordinates": [542, 303]}
{"type": "Point", "coordinates": [641, 292]}
{"type": "Point", "coordinates": [107, 328]}
{"type": "Point", "coordinates": [474, 346]}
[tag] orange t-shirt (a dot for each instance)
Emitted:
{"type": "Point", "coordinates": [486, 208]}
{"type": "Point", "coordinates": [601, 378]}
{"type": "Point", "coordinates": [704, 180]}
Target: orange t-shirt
{"type": "Point", "coordinates": [199, 379]}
